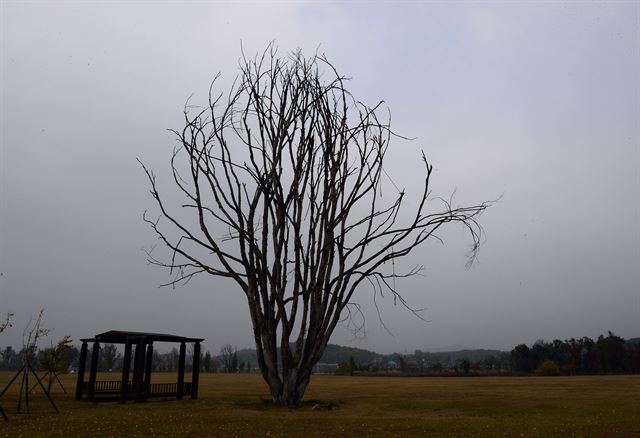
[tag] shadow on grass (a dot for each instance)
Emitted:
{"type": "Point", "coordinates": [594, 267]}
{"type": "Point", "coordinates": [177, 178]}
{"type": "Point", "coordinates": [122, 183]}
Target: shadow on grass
{"type": "Point", "coordinates": [265, 404]}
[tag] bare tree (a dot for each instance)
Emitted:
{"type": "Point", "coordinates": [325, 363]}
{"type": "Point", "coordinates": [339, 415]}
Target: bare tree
{"type": "Point", "coordinates": [32, 334]}
{"type": "Point", "coordinates": [227, 354]}
{"type": "Point", "coordinates": [284, 177]}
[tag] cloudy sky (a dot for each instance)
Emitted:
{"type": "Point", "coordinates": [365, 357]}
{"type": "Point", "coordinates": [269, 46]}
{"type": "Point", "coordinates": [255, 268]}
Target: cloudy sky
{"type": "Point", "coordinates": [537, 102]}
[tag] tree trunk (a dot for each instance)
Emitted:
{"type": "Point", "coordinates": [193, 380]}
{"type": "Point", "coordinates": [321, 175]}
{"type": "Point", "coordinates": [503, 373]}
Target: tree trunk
{"type": "Point", "coordinates": [290, 390]}
{"type": "Point", "coordinates": [288, 383]}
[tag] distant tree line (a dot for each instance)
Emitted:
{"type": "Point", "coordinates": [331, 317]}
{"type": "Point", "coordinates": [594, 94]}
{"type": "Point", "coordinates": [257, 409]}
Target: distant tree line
{"type": "Point", "coordinates": [227, 362]}
{"type": "Point", "coordinates": [59, 358]}
{"type": "Point", "coordinates": [111, 359]}
{"type": "Point", "coordinates": [607, 354]}
{"type": "Point", "coordinates": [463, 362]}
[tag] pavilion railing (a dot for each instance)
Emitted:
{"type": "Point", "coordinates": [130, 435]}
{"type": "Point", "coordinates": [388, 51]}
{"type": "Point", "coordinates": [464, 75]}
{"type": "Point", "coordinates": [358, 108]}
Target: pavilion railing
{"type": "Point", "coordinates": [168, 389]}
{"type": "Point", "coordinates": [155, 389]}
{"type": "Point", "coordinates": [105, 386]}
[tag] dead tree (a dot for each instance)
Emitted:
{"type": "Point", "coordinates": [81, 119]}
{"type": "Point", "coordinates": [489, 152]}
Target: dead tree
{"type": "Point", "coordinates": [284, 178]}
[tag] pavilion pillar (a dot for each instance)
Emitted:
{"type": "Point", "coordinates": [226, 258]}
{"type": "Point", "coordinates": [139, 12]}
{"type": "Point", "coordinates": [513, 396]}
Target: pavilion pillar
{"type": "Point", "coordinates": [82, 364]}
{"type": "Point", "coordinates": [147, 370]}
{"type": "Point", "coordinates": [93, 370]}
{"type": "Point", "coordinates": [183, 353]}
{"type": "Point", "coordinates": [138, 370]}
{"type": "Point", "coordinates": [126, 366]}
{"type": "Point", "coordinates": [195, 372]}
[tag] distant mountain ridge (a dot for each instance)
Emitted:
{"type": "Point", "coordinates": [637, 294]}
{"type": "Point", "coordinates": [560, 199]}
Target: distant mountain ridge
{"type": "Point", "coordinates": [335, 354]}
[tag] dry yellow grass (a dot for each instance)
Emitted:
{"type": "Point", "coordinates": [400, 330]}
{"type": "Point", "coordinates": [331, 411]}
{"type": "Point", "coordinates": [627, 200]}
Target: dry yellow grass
{"type": "Point", "coordinates": [233, 405]}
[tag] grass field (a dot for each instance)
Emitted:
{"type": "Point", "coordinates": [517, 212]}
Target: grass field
{"type": "Point", "coordinates": [233, 405]}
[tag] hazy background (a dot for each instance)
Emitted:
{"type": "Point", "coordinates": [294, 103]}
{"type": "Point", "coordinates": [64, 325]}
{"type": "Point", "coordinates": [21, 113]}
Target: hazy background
{"type": "Point", "coordinates": [539, 102]}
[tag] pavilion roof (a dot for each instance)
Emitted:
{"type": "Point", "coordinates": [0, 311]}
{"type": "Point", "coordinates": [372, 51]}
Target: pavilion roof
{"type": "Point", "coordinates": [121, 337]}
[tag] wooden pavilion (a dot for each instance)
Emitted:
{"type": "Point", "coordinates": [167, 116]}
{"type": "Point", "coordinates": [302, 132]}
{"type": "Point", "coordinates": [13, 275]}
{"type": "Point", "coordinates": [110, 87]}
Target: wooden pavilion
{"type": "Point", "coordinates": [139, 388]}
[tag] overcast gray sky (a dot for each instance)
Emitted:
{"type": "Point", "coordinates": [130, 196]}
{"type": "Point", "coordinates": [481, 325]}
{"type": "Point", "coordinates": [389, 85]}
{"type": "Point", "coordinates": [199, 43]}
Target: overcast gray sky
{"type": "Point", "coordinates": [535, 101]}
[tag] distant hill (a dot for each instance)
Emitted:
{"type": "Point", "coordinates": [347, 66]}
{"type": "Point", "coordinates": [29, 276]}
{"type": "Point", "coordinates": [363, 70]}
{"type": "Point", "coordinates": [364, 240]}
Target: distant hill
{"type": "Point", "coordinates": [247, 355]}
{"type": "Point", "coordinates": [335, 354]}
{"type": "Point", "coordinates": [633, 341]}
{"type": "Point", "coordinates": [338, 353]}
